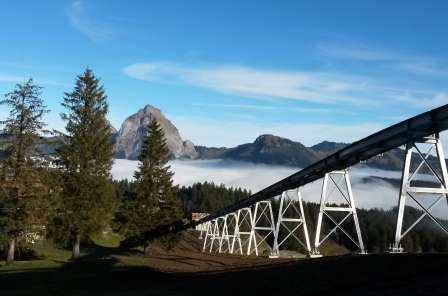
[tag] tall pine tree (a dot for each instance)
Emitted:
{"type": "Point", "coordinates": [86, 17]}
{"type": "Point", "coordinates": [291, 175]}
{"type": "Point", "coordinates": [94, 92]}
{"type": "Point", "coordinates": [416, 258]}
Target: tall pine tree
{"type": "Point", "coordinates": [155, 203]}
{"type": "Point", "coordinates": [21, 182]}
{"type": "Point", "coordinates": [88, 198]}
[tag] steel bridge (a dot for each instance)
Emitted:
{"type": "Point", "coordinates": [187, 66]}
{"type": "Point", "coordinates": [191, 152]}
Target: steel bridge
{"type": "Point", "coordinates": [242, 228]}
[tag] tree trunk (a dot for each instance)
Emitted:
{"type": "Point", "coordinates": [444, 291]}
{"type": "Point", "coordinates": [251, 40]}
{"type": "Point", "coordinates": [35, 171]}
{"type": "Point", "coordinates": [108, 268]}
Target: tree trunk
{"type": "Point", "coordinates": [76, 245]}
{"type": "Point", "coordinates": [11, 251]}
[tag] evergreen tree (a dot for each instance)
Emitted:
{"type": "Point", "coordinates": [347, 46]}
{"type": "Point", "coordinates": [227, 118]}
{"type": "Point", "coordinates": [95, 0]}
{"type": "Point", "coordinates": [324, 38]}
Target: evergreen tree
{"type": "Point", "coordinates": [155, 203]}
{"type": "Point", "coordinates": [88, 197]}
{"type": "Point", "coordinates": [22, 184]}
{"type": "Point", "coordinates": [209, 197]}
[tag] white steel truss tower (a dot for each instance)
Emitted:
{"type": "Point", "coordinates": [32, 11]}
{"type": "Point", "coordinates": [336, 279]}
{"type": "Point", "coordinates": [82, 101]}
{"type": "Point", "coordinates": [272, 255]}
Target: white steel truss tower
{"type": "Point", "coordinates": [224, 241]}
{"type": "Point", "coordinates": [208, 233]}
{"type": "Point", "coordinates": [202, 229]}
{"type": "Point", "coordinates": [216, 233]}
{"type": "Point", "coordinates": [231, 225]}
{"type": "Point", "coordinates": [414, 192]}
{"type": "Point", "coordinates": [242, 231]}
{"type": "Point", "coordinates": [262, 224]}
{"type": "Point", "coordinates": [292, 222]}
{"type": "Point", "coordinates": [349, 208]}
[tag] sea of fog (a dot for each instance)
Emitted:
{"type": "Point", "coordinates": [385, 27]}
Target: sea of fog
{"type": "Point", "coordinates": [376, 193]}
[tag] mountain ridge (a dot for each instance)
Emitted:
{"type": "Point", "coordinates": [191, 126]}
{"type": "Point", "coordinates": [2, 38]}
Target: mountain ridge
{"type": "Point", "coordinates": [265, 149]}
{"type": "Point", "coordinates": [270, 149]}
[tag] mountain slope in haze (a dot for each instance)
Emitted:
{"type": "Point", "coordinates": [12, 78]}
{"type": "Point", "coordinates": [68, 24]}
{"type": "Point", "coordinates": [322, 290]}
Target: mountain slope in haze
{"type": "Point", "coordinates": [274, 150]}
{"type": "Point", "coordinates": [268, 149]}
{"type": "Point", "coordinates": [43, 146]}
{"type": "Point", "coordinates": [128, 140]}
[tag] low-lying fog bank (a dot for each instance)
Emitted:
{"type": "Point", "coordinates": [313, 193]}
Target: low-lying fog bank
{"type": "Point", "coordinates": [369, 190]}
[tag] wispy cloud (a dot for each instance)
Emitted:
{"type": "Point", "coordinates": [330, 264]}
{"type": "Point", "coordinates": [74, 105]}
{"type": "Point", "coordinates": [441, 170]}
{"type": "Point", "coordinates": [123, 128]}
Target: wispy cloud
{"type": "Point", "coordinates": [273, 108]}
{"type": "Point", "coordinates": [236, 106]}
{"type": "Point", "coordinates": [313, 87]}
{"type": "Point", "coordinates": [424, 68]}
{"type": "Point", "coordinates": [244, 81]}
{"type": "Point", "coordinates": [20, 79]}
{"type": "Point", "coordinates": [424, 100]}
{"type": "Point", "coordinates": [417, 65]}
{"type": "Point", "coordinates": [357, 52]}
{"type": "Point", "coordinates": [81, 19]}
{"type": "Point", "coordinates": [213, 132]}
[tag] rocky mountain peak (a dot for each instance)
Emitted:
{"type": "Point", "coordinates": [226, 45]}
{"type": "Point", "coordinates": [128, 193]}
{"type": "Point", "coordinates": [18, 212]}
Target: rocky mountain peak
{"type": "Point", "coordinates": [129, 139]}
{"type": "Point", "coordinates": [271, 141]}
{"type": "Point", "coordinates": [150, 109]}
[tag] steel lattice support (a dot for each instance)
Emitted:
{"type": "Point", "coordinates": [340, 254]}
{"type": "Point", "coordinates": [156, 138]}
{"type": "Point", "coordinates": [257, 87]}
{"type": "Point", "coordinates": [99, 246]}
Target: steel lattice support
{"type": "Point", "coordinates": [209, 227]}
{"type": "Point", "coordinates": [232, 224]}
{"type": "Point", "coordinates": [242, 231]}
{"type": "Point", "coordinates": [263, 225]}
{"type": "Point", "coordinates": [293, 223]}
{"type": "Point", "coordinates": [202, 229]}
{"type": "Point", "coordinates": [216, 233]}
{"type": "Point", "coordinates": [224, 241]}
{"type": "Point", "coordinates": [348, 208]}
{"type": "Point", "coordinates": [415, 192]}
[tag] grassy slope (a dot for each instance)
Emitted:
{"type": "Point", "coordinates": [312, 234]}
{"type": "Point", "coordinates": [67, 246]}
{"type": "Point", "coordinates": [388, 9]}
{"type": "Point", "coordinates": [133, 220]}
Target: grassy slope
{"type": "Point", "coordinates": [105, 270]}
{"type": "Point", "coordinates": [104, 264]}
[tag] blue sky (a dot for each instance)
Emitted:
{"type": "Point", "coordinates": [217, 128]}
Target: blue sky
{"type": "Point", "coordinates": [226, 71]}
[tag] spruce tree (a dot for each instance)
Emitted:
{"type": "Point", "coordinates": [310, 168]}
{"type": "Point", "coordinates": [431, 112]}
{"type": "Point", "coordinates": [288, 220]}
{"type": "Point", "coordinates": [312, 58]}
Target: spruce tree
{"type": "Point", "coordinates": [155, 203]}
{"type": "Point", "coordinates": [88, 198]}
{"type": "Point", "coordinates": [21, 181]}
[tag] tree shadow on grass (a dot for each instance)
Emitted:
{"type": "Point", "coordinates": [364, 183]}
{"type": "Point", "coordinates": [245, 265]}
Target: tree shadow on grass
{"type": "Point", "coordinates": [96, 273]}
{"type": "Point", "coordinates": [99, 274]}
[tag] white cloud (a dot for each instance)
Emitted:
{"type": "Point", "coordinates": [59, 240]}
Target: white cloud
{"type": "Point", "coordinates": [272, 107]}
{"type": "Point", "coordinates": [423, 101]}
{"type": "Point", "coordinates": [249, 82]}
{"type": "Point", "coordinates": [124, 169]}
{"type": "Point", "coordinates": [237, 106]}
{"type": "Point", "coordinates": [230, 133]}
{"type": "Point", "coordinates": [247, 175]}
{"type": "Point", "coordinates": [375, 193]}
{"type": "Point", "coordinates": [314, 87]}
{"type": "Point", "coordinates": [81, 20]}
{"type": "Point", "coordinates": [356, 52]}
{"type": "Point", "coordinates": [424, 68]}
{"type": "Point", "coordinates": [416, 65]}
{"type": "Point", "coordinates": [255, 177]}
{"type": "Point", "coordinates": [22, 79]}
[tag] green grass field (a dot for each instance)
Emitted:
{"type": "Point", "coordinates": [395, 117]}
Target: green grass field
{"type": "Point", "coordinates": [54, 273]}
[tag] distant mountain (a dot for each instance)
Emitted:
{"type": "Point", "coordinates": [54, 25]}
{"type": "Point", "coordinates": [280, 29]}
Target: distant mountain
{"type": "Point", "coordinates": [327, 147]}
{"type": "Point", "coordinates": [275, 150]}
{"type": "Point", "coordinates": [128, 140]}
{"type": "Point", "coordinates": [210, 152]}
{"type": "Point", "coordinates": [43, 146]}
{"type": "Point", "coordinates": [270, 149]}
{"type": "Point", "coordinates": [267, 149]}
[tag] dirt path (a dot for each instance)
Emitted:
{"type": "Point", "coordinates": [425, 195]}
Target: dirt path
{"type": "Point", "coordinates": [188, 257]}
